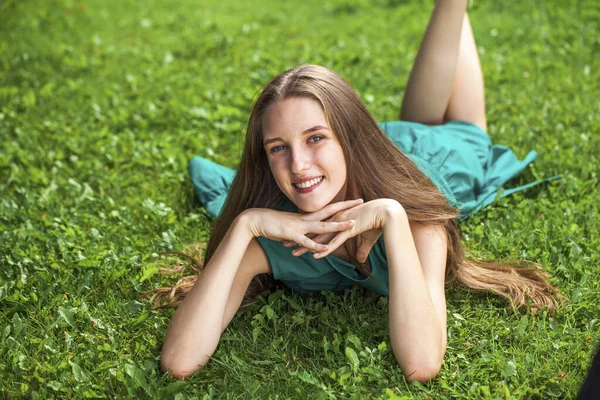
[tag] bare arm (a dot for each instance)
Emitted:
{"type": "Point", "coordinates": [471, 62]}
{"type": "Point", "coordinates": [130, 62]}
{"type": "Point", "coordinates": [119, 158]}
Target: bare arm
{"type": "Point", "coordinates": [255, 262]}
{"type": "Point", "coordinates": [417, 313]}
{"type": "Point", "coordinates": [416, 262]}
{"type": "Point", "coordinates": [196, 326]}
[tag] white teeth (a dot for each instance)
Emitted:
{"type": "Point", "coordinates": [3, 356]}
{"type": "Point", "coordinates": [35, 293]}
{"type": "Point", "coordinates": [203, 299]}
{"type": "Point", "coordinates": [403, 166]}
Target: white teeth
{"type": "Point", "coordinates": [308, 184]}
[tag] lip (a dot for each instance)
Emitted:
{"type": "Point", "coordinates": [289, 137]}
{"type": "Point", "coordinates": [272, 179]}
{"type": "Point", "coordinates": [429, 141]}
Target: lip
{"type": "Point", "coordinates": [308, 178]}
{"type": "Point", "coordinates": [309, 189]}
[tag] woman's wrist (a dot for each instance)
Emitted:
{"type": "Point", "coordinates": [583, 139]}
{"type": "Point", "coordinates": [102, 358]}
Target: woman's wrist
{"type": "Point", "coordinates": [245, 221]}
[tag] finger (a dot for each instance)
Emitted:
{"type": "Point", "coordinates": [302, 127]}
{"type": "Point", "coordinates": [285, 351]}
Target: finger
{"type": "Point", "coordinates": [291, 243]}
{"type": "Point", "coordinates": [298, 252]}
{"type": "Point", "coordinates": [334, 244]}
{"type": "Point", "coordinates": [301, 250]}
{"type": "Point", "coordinates": [328, 227]}
{"type": "Point", "coordinates": [310, 244]}
{"type": "Point", "coordinates": [332, 209]}
{"type": "Point", "coordinates": [318, 238]}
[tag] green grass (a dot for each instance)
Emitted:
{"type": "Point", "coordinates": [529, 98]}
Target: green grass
{"type": "Point", "coordinates": [103, 102]}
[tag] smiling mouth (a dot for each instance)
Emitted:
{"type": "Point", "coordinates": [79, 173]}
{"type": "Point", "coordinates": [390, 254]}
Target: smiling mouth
{"type": "Point", "coordinates": [308, 184]}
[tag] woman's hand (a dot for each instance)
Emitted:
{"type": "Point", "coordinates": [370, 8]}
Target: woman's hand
{"type": "Point", "coordinates": [284, 226]}
{"type": "Point", "coordinates": [370, 218]}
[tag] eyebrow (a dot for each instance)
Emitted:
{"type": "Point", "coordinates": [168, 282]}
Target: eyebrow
{"type": "Point", "coordinates": [309, 130]}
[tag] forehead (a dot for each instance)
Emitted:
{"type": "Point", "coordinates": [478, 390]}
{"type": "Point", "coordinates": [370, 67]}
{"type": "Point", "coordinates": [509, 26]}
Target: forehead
{"type": "Point", "coordinates": [291, 117]}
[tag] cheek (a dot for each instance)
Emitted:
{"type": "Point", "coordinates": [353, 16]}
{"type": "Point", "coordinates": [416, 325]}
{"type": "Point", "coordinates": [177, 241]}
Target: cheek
{"type": "Point", "coordinates": [336, 162]}
{"type": "Point", "coordinates": [276, 166]}
{"type": "Point", "coordinates": [341, 168]}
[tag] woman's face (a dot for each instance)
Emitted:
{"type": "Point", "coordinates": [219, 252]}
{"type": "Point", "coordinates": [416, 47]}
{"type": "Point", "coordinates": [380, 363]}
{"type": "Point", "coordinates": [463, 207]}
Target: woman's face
{"type": "Point", "coordinates": [304, 155]}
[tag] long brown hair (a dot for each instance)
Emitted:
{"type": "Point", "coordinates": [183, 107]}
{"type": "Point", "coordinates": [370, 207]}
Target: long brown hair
{"type": "Point", "coordinates": [376, 168]}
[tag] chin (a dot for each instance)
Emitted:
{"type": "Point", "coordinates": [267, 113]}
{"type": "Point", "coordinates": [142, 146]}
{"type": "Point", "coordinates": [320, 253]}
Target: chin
{"type": "Point", "coordinates": [309, 210]}
{"type": "Point", "coordinates": [312, 206]}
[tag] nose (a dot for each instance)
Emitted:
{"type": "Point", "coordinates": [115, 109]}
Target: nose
{"type": "Point", "coordinates": [300, 161]}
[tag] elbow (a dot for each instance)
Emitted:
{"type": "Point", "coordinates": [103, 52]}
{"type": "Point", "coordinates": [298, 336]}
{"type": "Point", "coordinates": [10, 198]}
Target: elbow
{"type": "Point", "coordinates": [183, 360]}
{"type": "Point", "coordinates": [178, 366]}
{"type": "Point", "coordinates": [421, 366]}
{"type": "Point", "coordinates": [422, 374]}
{"type": "Point", "coordinates": [178, 374]}
{"type": "Point", "coordinates": [422, 370]}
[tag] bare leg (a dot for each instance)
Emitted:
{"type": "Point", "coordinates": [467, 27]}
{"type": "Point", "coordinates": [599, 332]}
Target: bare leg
{"type": "Point", "coordinates": [467, 101]}
{"type": "Point", "coordinates": [432, 77]}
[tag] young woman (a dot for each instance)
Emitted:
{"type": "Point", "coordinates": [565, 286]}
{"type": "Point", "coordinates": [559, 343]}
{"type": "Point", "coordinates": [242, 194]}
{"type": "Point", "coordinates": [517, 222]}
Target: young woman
{"type": "Point", "coordinates": [325, 198]}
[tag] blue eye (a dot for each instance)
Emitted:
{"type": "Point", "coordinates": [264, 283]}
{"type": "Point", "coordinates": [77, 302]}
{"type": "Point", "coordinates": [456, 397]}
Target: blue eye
{"type": "Point", "coordinates": [313, 139]}
{"type": "Point", "coordinates": [275, 149]}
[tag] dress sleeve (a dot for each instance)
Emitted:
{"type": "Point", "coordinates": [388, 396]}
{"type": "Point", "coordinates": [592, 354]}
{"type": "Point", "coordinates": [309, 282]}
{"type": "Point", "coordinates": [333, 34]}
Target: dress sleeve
{"type": "Point", "coordinates": [211, 182]}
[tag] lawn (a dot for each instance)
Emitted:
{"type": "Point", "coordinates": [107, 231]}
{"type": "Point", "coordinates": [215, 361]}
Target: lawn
{"type": "Point", "coordinates": [102, 103]}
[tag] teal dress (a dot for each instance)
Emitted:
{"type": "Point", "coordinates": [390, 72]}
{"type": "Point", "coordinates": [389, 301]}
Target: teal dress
{"type": "Point", "coordinates": [458, 157]}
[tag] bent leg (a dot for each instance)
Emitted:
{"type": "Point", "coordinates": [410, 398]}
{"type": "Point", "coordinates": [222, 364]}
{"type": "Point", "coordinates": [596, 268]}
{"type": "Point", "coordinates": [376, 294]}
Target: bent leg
{"type": "Point", "coordinates": [431, 79]}
{"type": "Point", "coordinates": [467, 101]}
